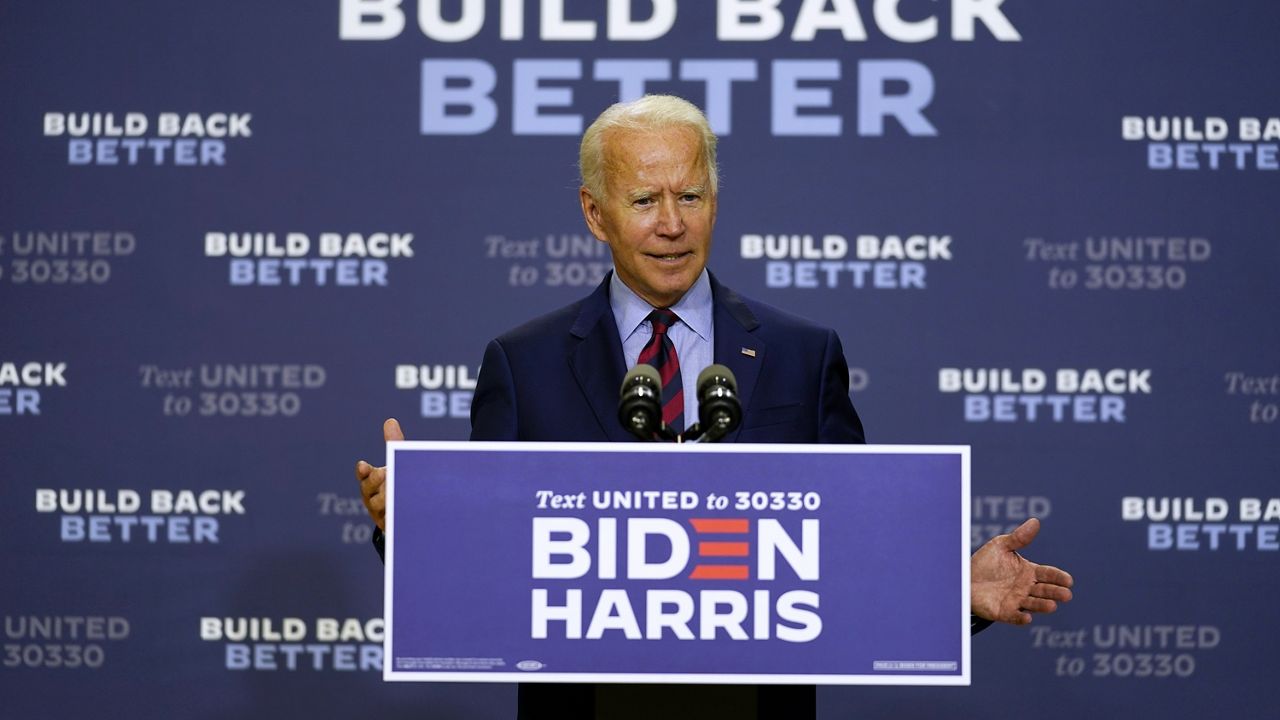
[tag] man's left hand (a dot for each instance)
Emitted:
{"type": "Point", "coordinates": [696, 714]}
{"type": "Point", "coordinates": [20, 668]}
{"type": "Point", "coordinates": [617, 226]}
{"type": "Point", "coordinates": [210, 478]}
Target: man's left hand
{"type": "Point", "coordinates": [1006, 587]}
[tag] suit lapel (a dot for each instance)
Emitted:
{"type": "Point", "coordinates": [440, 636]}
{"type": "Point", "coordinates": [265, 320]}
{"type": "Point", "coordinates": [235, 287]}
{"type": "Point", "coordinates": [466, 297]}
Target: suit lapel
{"type": "Point", "coordinates": [734, 343]}
{"type": "Point", "coordinates": [597, 361]}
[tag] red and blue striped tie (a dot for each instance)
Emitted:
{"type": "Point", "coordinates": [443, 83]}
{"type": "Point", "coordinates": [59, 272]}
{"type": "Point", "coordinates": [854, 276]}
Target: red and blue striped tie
{"type": "Point", "coordinates": [661, 354]}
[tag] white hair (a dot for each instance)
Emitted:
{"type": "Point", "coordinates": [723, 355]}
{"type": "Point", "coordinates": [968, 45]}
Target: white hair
{"type": "Point", "coordinates": [651, 112]}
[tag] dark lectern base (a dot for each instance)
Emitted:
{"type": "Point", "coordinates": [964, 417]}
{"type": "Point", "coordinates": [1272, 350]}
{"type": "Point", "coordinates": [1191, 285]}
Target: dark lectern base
{"type": "Point", "coordinates": [667, 702]}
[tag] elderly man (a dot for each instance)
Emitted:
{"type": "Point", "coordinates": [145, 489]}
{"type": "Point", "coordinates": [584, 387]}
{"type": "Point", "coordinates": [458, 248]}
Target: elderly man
{"type": "Point", "coordinates": [649, 191]}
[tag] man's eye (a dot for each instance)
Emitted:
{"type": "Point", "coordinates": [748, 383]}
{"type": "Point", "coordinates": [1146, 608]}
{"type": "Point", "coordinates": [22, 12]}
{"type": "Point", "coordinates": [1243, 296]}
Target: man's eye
{"type": "Point", "coordinates": [644, 202]}
{"type": "Point", "coordinates": [690, 197]}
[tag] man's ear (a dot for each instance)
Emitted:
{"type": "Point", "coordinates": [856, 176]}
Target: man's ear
{"type": "Point", "coordinates": [591, 213]}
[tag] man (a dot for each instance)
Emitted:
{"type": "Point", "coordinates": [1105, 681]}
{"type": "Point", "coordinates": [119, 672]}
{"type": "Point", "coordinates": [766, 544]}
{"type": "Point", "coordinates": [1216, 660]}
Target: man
{"type": "Point", "coordinates": [649, 190]}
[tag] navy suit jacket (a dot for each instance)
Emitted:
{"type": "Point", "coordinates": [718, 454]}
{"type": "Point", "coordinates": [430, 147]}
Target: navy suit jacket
{"type": "Point", "coordinates": [557, 377]}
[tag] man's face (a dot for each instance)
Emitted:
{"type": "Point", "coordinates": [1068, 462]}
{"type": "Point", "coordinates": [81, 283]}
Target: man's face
{"type": "Point", "coordinates": [657, 213]}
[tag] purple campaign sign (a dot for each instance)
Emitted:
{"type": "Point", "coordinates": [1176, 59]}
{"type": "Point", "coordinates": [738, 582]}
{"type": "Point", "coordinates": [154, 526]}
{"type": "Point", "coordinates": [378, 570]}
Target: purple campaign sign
{"type": "Point", "coordinates": [581, 562]}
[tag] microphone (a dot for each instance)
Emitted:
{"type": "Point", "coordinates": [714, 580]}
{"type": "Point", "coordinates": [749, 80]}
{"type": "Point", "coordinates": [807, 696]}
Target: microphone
{"type": "Point", "coordinates": [640, 403]}
{"type": "Point", "coordinates": [719, 410]}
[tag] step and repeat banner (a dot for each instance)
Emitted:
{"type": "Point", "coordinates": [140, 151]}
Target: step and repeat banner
{"type": "Point", "coordinates": [235, 236]}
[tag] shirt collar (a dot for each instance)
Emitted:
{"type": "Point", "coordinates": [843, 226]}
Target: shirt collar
{"type": "Point", "coordinates": [630, 311]}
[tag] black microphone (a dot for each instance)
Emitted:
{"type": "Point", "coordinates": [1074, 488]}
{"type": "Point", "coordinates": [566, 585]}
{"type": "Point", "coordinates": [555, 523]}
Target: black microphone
{"type": "Point", "coordinates": [719, 410]}
{"type": "Point", "coordinates": [640, 405]}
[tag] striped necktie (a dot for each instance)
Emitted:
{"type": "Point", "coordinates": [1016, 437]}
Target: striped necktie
{"type": "Point", "coordinates": [661, 354]}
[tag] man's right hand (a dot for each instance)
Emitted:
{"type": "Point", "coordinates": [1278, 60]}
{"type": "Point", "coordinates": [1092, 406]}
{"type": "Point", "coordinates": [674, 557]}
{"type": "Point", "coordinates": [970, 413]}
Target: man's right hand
{"type": "Point", "coordinates": [373, 480]}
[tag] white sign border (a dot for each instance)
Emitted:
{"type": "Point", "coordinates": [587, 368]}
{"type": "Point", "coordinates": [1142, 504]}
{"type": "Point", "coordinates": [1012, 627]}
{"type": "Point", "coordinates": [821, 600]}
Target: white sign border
{"type": "Point", "coordinates": [390, 674]}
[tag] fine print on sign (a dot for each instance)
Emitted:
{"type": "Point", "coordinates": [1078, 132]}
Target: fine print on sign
{"type": "Point", "coordinates": [580, 562]}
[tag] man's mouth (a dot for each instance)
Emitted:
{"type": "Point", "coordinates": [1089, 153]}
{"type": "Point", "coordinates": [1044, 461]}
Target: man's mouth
{"type": "Point", "coordinates": [669, 256]}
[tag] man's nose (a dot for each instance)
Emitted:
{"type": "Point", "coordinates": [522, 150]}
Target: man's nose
{"type": "Point", "coordinates": [670, 219]}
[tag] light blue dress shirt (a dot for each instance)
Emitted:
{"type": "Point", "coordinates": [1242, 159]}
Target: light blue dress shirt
{"type": "Point", "coordinates": [692, 335]}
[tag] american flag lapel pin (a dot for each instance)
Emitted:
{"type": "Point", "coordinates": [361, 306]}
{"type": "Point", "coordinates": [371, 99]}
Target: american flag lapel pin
{"type": "Point", "coordinates": [748, 352]}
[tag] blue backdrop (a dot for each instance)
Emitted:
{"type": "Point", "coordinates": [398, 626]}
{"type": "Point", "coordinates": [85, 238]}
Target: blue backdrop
{"type": "Point", "coordinates": [235, 236]}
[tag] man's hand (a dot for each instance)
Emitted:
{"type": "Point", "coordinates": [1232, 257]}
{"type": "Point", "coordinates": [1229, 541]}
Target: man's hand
{"type": "Point", "coordinates": [373, 480]}
{"type": "Point", "coordinates": [1006, 587]}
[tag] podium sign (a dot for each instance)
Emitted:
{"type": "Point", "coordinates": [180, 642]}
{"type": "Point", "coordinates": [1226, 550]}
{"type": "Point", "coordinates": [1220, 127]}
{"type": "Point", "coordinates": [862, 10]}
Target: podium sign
{"type": "Point", "coordinates": [621, 562]}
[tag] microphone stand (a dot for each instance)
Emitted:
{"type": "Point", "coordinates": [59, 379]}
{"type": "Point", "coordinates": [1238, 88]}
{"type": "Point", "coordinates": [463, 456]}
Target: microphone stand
{"type": "Point", "coordinates": [697, 434]}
